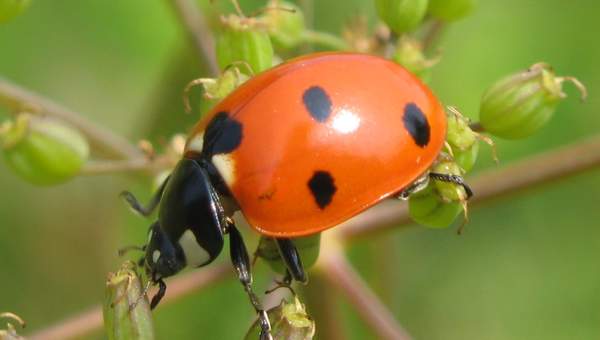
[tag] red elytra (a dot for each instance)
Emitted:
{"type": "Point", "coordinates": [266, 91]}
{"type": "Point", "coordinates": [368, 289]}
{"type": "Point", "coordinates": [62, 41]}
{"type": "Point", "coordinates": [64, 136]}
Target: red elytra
{"type": "Point", "coordinates": [321, 138]}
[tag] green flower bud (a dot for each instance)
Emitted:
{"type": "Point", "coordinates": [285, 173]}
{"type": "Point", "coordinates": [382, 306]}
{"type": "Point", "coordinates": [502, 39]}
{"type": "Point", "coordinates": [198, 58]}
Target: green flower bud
{"type": "Point", "coordinates": [521, 104]}
{"type": "Point", "coordinates": [466, 158]}
{"type": "Point", "coordinates": [11, 8]}
{"type": "Point", "coordinates": [126, 312]}
{"type": "Point", "coordinates": [409, 53]}
{"type": "Point", "coordinates": [285, 24]}
{"type": "Point", "coordinates": [289, 321]}
{"type": "Point", "coordinates": [427, 208]}
{"type": "Point", "coordinates": [244, 40]}
{"type": "Point", "coordinates": [307, 246]}
{"type": "Point", "coordinates": [401, 15]}
{"type": "Point", "coordinates": [462, 140]}
{"type": "Point", "coordinates": [43, 151]}
{"type": "Point", "coordinates": [216, 89]}
{"type": "Point", "coordinates": [451, 10]}
{"type": "Point", "coordinates": [10, 333]}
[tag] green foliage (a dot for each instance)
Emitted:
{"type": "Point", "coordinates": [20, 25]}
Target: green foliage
{"type": "Point", "coordinates": [11, 8]}
{"type": "Point", "coordinates": [451, 10]}
{"type": "Point", "coordinates": [523, 232]}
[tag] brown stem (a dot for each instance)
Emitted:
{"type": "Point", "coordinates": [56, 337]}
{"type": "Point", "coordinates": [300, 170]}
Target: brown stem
{"type": "Point", "coordinates": [18, 99]}
{"type": "Point", "coordinates": [195, 24]}
{"type": "Point", "coordinates": [342, 277]}
{"type": "Point", "coordinates": [87, 322]}
{"type": "Point", "coordinates": [532, 172]}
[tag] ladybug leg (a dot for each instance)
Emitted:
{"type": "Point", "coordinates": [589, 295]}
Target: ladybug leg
{"type": "Point", "coordinates": [292, 259]}
{"type": "Point", "coordinates": [452, 179]}
{"type": "Point", "coordinates": [149, 208]}
{"type": "Point", "coordinates": [243, 267]}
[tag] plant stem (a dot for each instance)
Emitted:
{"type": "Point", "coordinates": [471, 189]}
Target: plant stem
{"type": "Point", "coordinates": [325, 39]}
{"type": "Point", "coordinates": [195, 24]}
{"type": "Point", "coordinates": [18, 99]}
{"type": "Point", "coordinates": [532, 172]}
{"type": "Point", "coordinates": [157, 164]}
{"type": "Point", "coordinates": [340, 275]}
{"type": "Point", "coordinates": [432, 34]}
{"type": "Point", "coordinates": [87, 322]}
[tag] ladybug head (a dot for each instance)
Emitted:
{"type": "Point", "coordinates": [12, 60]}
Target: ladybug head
{"type": "Point", "coordinates": [190, 226]}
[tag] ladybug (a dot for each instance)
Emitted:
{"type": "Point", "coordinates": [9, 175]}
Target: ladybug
{"type": "Point", "coordinates": [298, 149]}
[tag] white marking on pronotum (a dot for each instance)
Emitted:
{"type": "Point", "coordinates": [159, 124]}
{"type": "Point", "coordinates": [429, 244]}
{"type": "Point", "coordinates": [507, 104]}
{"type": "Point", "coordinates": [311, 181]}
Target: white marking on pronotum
{"type": "Point", "coordinates": [196, 143]}
{"type": "Point", "coordinates": [226, 167]}
{"type": "Point", "coordinates": [195, 255]}
{"type": "Point", "coordinates": [155, 256]}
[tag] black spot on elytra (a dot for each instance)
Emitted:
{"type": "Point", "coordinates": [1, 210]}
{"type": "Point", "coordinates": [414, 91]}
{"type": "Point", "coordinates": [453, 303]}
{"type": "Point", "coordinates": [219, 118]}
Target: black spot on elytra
{"type": "Point", "coordinates": [223, 135]}
{"type": "Point", "coordinates": [317, 103]}
{"type": "Point", "coordinates": [416, 123]}
{"type": "Point", "coordinates": [322, 188]}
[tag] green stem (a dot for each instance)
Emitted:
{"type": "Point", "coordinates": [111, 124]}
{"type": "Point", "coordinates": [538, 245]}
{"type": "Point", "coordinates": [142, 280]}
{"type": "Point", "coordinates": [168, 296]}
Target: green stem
{"type": "Point", "coordinates": [325, 39]}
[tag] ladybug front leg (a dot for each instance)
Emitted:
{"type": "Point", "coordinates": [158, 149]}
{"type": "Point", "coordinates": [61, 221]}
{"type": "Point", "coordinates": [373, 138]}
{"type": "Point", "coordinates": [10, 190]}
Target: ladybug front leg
{"type": "Point", "coordinates": [149, 208]}
{"type": "Point", "coordinates": [241, 263]}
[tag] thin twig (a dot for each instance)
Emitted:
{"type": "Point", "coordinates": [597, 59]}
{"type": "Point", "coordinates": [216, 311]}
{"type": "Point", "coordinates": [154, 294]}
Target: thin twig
{"type": "Point", "coordinates": [338, 272]}
{"type": "Point", "coordinates": [532, 172]}
{"type": "Point", "coordinates": [18, 99]}
{"type": "Point", "coordinates": [432, 34]}
{"type": "Point", "coordinates": [195, 24]}
{"type": "Point", "coordinates": [128, 165]}
{"type": "Point", "coordinates": [90, 321]}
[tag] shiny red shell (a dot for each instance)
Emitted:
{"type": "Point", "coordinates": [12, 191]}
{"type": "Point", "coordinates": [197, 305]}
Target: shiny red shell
{"type": "Point", "coordinates": [323, 138]}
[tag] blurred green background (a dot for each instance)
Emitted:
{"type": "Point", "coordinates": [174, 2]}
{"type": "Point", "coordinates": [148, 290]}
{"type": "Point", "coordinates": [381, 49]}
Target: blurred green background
{"type": "Point", "coordinates": [526, 268]}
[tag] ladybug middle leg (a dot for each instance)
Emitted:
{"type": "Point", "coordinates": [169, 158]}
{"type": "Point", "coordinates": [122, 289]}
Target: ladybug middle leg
{"type": "Point", "coordinates": [452, 179]}
{"type": "Point", "coordinates": [292, 260]}
{"type": "Point", "coordinates": [243, 267]}
{"type": "Point", "coordinates": [150, 206]}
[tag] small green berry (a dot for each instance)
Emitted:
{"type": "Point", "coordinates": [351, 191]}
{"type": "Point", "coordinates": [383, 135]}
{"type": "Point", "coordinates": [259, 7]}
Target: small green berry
{"type": "Point", "coordinates": [11, 8]}
{"type": "Point", "coordinates": [126, 311]}
{"type": "Point", "coordinates": [307, 246]}
{"type": "Point", "coordinates": [43, 151]}
{"type": "Point", "coordinates": [285, 24]}
{"type": "Point", "coordinates": [466, 158]}
{"type": "Point", "coordinates": [520, 105]}
{"type": "Point", "coordinates": [451, 10]}
{"type": "Point", "coordinates": [244, 40]}
{"type": "Point", "coordinates": [289, 321]}
{"type": "Point", "coordinates": [427, 208]}
{"type": "Point", "coordinates": [401, 15]}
